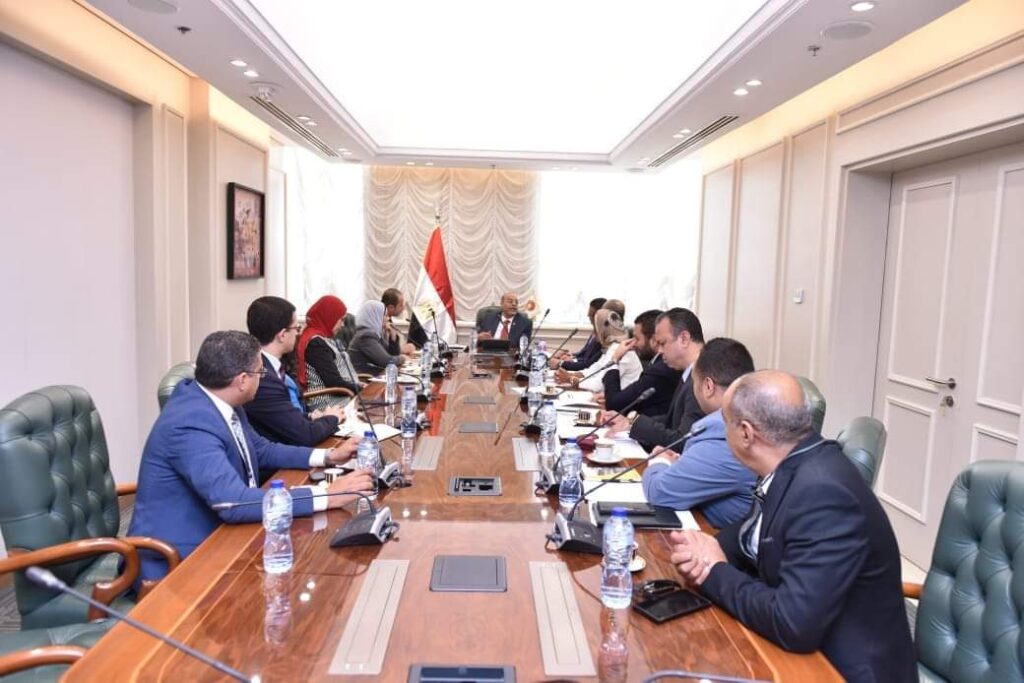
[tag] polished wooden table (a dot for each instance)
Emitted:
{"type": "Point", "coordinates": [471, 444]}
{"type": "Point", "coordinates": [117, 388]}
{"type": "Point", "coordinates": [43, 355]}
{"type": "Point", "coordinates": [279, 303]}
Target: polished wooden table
{"type": "Point", "coordinates": [220, 601]}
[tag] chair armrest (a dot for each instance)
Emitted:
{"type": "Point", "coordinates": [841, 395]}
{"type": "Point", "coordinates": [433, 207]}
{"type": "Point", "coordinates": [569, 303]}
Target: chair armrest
{"type": "Point", "coordinates": [169, 552]}
{"type": "Point", "coordinates": [329, 391]}
{"type": "Point", "coordinates": [912, 590]}
{"type": "Point", "coordinates": [40, 656]}
{"type": "Point", "coordinates": [127, 489]}
{"type": "Point", "coordinates": [103, 591]}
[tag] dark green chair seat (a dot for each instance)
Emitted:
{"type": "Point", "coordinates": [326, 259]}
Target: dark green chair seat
{"type": "Point", "coordinates": [79, 635]}
{"type": "Point", "coordinates": [482, 314]}
{"type": "Point", "coordinates": [171, 379]}
{"type": "Point", "coordinates": [968, 627]}
{"type": "Point", "coordinates": [863, 442]}
{"type": "Point", "coordinates": [817, 401]}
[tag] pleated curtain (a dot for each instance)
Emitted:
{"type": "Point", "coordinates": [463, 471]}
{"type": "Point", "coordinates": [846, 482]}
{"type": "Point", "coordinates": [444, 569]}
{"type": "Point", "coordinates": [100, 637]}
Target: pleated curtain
{"type": "Point", "coordinates": [488, 222]}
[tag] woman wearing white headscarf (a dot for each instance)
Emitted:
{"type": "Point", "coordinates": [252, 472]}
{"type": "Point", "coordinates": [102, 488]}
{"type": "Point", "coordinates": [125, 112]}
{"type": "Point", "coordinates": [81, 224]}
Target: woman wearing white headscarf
{"type": "Point", "coordinates": [610, 332]}
{"type": "Point", "coordinates": [368, 349]}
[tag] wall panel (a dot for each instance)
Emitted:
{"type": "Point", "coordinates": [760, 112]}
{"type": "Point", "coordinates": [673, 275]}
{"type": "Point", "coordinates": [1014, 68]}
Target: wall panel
{"type": "Point", "coordinates": [756, 252]}
{"type": "Point", "coordinates": [714, 276]}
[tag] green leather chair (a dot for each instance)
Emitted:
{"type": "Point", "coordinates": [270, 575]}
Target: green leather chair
{"type": "Point", "coordinates": [56, 488]}
{"type": "Point", "coordinates": [817, 400]}
{"type": "Point", "coordinates": [968, 625]}
{"type": "Point", "coordinates": [347, 331]}
{"type": "Point", "coordinates": [863, 442]}
{"type": "Point", "coordinates": [169, 381]}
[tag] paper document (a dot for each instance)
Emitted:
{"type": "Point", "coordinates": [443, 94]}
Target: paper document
{"type": "Point", "coordinates": [353, 426]}
{"type": "Point", "coordinates": [567, 427]}
{"type": "Point", "coordinates": [577, 397]}
{"type": "Point", "coordinates": [619, 492]}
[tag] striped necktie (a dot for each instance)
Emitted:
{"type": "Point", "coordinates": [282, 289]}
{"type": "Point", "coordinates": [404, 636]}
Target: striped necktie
{"type": "Point", "coordinates": [243, 449]}
{"type": "Point", "coordinates": [749, 526]}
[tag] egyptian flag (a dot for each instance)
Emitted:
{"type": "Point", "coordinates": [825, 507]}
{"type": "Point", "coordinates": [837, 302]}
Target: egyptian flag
{"type": "Point", "coordinates": [434, 291]}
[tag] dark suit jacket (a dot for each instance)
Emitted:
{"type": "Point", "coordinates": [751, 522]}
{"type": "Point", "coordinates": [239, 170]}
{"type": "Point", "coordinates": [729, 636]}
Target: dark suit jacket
{"type": "Point", "coordinates": [828, 570]}
{"type": "Point", "coordinates": [521, 327]}
{"type": "Point", "coordinates": [190, 462]}
{"type": "Point", "coordinates": [661, 430]}
{"type": "Point", "coordinates": [657, 374]}
{"type": "Point", "coordinates": [273, 415]}
{"type": "Point", "coordinates": [588, 354]}
{"type": "Point", "coordinates": [370, 353]}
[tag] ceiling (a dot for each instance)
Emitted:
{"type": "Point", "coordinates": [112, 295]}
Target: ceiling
{"type": "Point", "coordinates": [573, 84]}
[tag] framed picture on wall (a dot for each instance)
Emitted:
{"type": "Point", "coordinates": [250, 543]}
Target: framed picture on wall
{"type": "Point", "coordinates": [246, 230]}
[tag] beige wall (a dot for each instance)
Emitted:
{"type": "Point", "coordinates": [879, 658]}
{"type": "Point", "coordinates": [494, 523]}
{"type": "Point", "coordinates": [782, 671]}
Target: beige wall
{"type": "Point", "coordinates": [826, 157]}
{"type": "Point", "coordinates": [188, 141]}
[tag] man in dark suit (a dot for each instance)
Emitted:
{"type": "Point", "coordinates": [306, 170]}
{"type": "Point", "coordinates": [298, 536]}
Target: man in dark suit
{"type": "Point", "coordinates": [656, 373]}
{"type": "Point", "coordinates": [680, 337]}
{"type": "Point", "coordinates": [815, 564]}
{"type": "Point", "coordinates": [202, 451]}
{"type": "Point", "coordinates": [508, 323]}
{"type": "Point", "coordinates": [276, 412]}
{"type": "Point", "coordinates": [589, 353]}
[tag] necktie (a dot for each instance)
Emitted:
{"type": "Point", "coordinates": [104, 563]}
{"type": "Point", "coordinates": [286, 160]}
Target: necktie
{"type": "Point", "coordinates": [504, 330]}
{"type": "Point", "coordinates": [243, 450]}
{"type": "Point", "coordinates": [749, 526]}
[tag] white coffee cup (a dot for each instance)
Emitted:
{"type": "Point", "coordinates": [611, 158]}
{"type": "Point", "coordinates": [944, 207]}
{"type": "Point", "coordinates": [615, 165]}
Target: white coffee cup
{"type": "Point", "coordinates": [332, 473]}
{"type": "Point", "coordinates": [604, 449]}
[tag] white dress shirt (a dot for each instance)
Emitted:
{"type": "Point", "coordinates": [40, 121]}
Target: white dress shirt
{"type": "Point", "coordinates": [629, 370]}
{"type": "Point", "coordinates": [497, 330]}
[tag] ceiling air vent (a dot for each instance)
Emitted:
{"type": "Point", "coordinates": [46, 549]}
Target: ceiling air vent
{"type": "Point", "coordinates": [299, 129]}
{"type": "Point", "coordinates": [695, 139]}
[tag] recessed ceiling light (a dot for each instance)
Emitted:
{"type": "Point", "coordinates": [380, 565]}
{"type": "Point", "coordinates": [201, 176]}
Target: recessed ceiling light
{"type": "Point", "coordinates": [251, 73]}
{"type": "Point", "coordinates": [753, 83]}
{"type": "Point", "coordinates": [685, 131]}
{"type": "Point", "coordinates": [862, 6]}
{"type": "Point", "coordinates": [679, 136]}
{"type": "Point", "coordinates": [346, 153]}
{"type": "Point", "coordinates": [302, 118]}
{"type": "Point", "coordinates": [155, 6]}
{"type": "Point", "coordinates": [343, 149]}
{"type": "Point", "coordinates": [310, 123]}
{"type": "Point", "coordinates": [410, 163]}
{"type": "Point", "coordinates": [740, 92]}
{"type": "Point", "coordinates": [429, 163]}
{"type": "Point", "coordinates": [239, 63]}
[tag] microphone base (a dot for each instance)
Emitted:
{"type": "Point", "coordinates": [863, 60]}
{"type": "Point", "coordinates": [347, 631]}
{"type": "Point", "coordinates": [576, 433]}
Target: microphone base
{"type": "Point", "coordinates": [532, 430]}
{"type": "Point", "coordinates": [576, 536]}
{"type": "Point", "coordinates": [368, 528]}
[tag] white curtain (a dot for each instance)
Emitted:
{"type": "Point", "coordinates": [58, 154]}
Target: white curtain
{"type": "Point", "coordinates": [487, 220]}
{"type": "Point", "coordinates": [324, 236]}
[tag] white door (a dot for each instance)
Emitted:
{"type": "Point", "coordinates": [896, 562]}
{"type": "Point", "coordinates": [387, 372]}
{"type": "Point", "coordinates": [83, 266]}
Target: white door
{"type": "Point", "coordinates": [949, 379]}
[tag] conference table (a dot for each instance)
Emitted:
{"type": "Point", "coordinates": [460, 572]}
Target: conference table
{"type": "Point", "coordinates": [292, 627]}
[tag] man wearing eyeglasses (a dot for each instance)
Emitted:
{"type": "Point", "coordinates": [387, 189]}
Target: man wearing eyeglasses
{"type": "Point", "coordinates": [276, 412]}
{"type": "Point", "coordinates": [202, 451]}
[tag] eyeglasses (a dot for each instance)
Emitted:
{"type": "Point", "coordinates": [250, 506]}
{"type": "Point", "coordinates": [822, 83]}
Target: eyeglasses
{"type": "Point", "coordinates": [294, 328]}
{"type": "Point", "coordinates": [259, 373]}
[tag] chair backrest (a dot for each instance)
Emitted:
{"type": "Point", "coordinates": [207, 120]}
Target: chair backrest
{"type": "Point", "coordinates": [55, 480]}
{"type": "Point", "coordinates": [482, 314]}
{"type": "Point", "coordinates": [169, 381]}
{"type": "Point", "coordinates": [969, 616]}
{"type": "Point", "coordinates": [347, 331]}
{"type": "Point", "coordinates": [817, 400]}
{"type": "Point", "coordinates": [863, 442]}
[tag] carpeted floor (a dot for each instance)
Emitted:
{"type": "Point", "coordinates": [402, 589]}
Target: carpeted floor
{"type": "Point", "coordinates": [10, 620]}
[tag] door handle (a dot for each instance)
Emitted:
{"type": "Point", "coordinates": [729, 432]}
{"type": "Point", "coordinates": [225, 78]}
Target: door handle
{"type": "Point", "coordinates": [948, 383]}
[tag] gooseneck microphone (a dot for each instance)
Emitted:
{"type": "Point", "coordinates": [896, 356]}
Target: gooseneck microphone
{"type": "Point", "coordinates": [446, 353]}
{"type": "Point", "coordinates": [373, 527]}
{"type": "Point", "coordinates": [46, 578]}
{"type": "Point", "coordinates": [679, 673]}
{"type": "Point", "coordinates": [578, 536]}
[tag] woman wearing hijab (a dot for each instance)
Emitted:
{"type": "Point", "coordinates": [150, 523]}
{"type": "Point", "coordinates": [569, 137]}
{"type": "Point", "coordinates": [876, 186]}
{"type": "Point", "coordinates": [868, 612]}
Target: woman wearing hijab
{"type": "Point", "coordinates": [320, 361]}
{"type": "Point", "coordinates": [611, 333]}
{"type": "Point", "coordinates": [369, 350]}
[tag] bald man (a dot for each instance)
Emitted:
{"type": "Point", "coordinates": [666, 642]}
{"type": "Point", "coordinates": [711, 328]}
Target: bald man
{"type": "Point", "coordinates": [508, 323]}
{"type": "Point", "coordinates": [814, 566]}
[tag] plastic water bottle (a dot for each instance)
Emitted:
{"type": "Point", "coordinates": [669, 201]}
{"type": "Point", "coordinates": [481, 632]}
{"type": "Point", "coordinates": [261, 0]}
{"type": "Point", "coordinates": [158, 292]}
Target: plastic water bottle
{"type": "Point", "coordinates": [408, 455]}
{"type": "Point", "coordinates": [570, 488]}
{"type": "Point", "coordinates": [616, 582]}
{"type": "Point", "coordinates": [409, 413]}
{"type": "Point", "coordinates": [367, 458]}
{"type": "Point", "coordinates": [613, 655]}
{"type": "Point", "coordinates": [278, 554]}
{"type": "Point", "coordinates": [542, 351]}
{"type": "Point", "coordinates": [472, 341]}
{"type": "Point", "coordinates": [535, 388]}
{"type": "Point", "coordinates": [523, 343]}
{"type": "Point", "coordinates": [547, 419]}
{"type": "Point", "coordinates": [391, 383]}
{"type": "Point", "coordinates": [426, 365]}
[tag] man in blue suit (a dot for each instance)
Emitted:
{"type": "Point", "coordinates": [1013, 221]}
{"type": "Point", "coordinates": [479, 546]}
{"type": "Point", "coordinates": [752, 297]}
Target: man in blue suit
{"type": "Point", "coordinates": [814, 565]}
{"type": "Point", "coordinates": [508, 323]}
{"type": "Point", "coordinates": [591, 350]}
{"type": "Point", "coordinates": [276, 412]}
{"type": "Point", "coordinates": [202, 451]}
